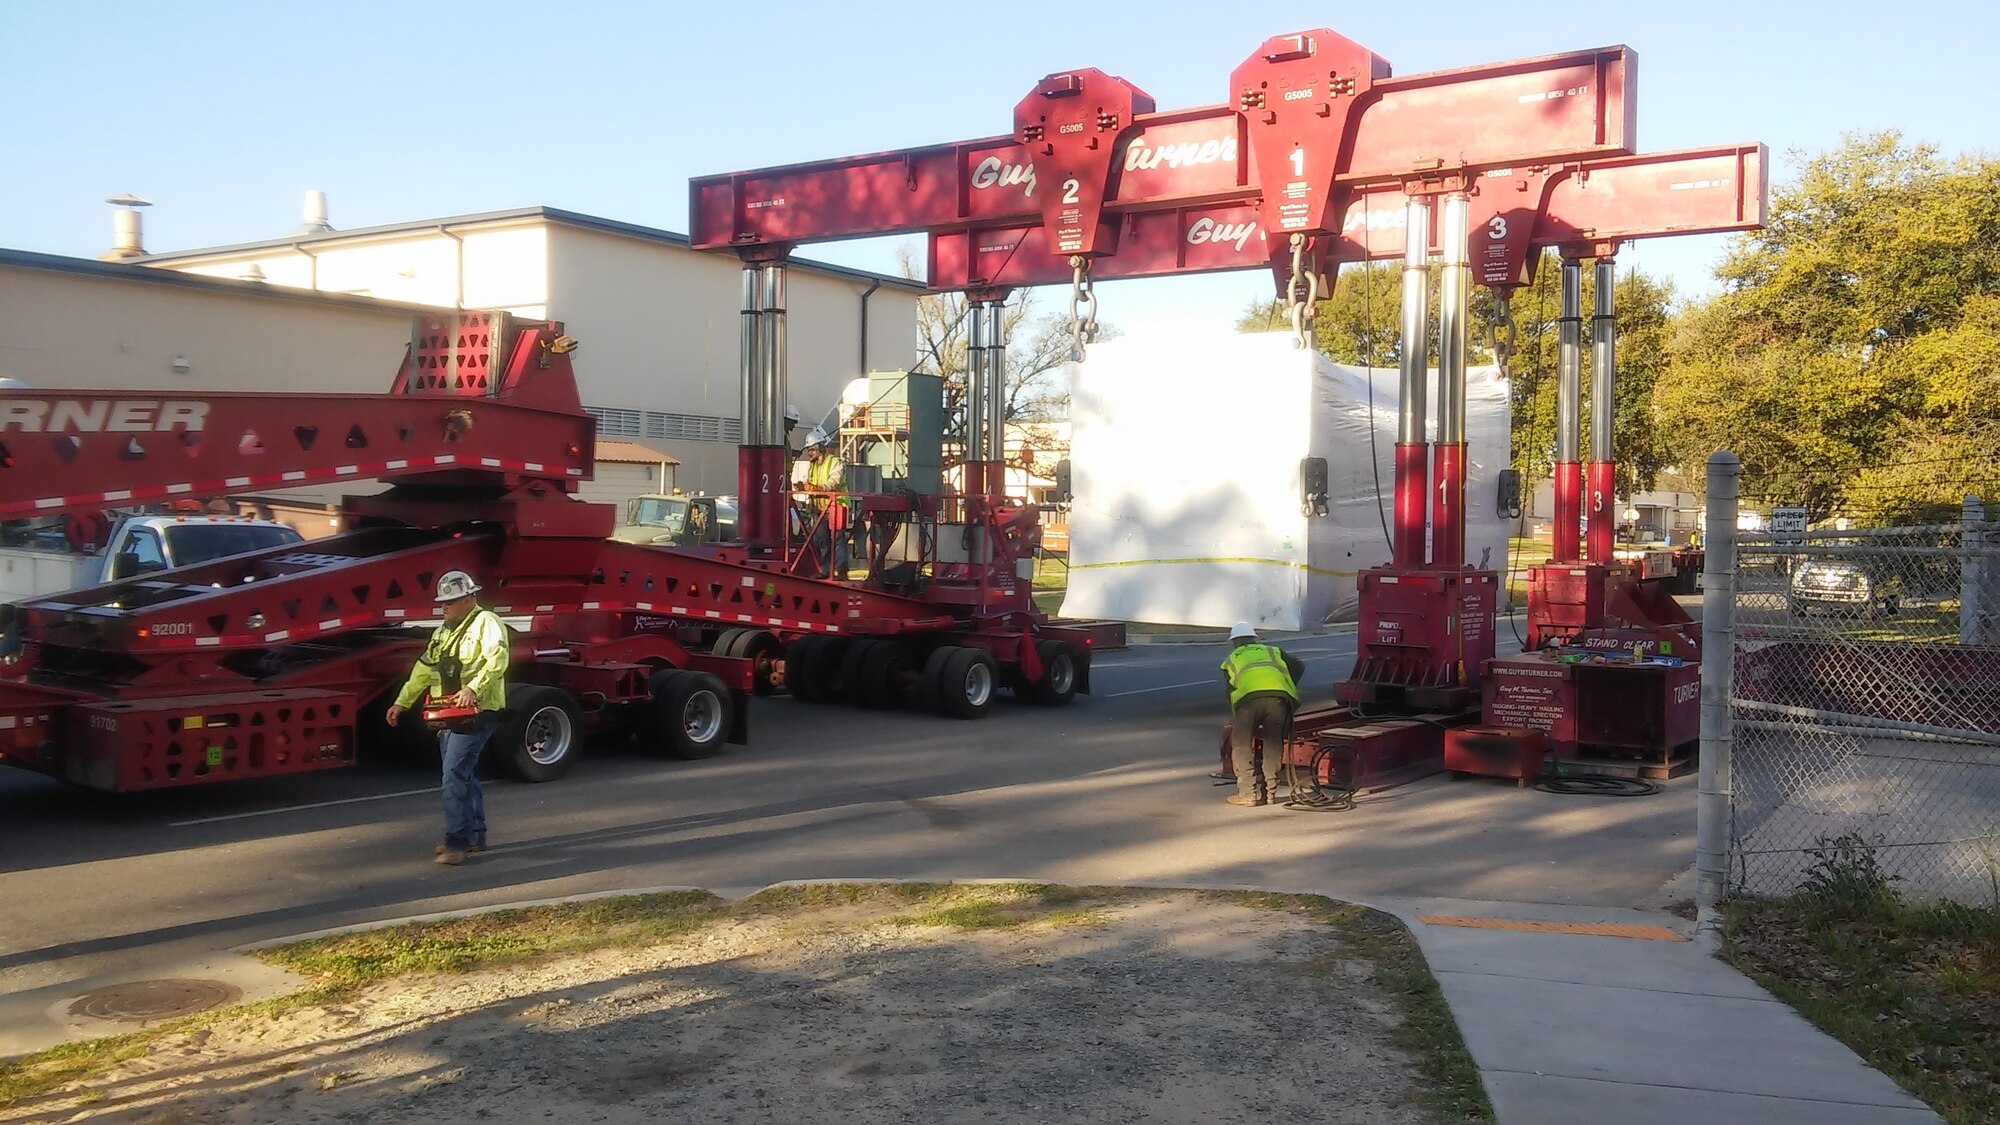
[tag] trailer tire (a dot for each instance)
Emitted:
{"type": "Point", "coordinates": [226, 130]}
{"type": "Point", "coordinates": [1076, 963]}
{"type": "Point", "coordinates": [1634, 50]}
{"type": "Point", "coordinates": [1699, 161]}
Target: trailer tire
{"type": "Point", "coordinates": [410, 740]}
{"type": "Point", "coordinates": [762, 647]}
{"type": "Point", "coordinates": [799, 659]}
{"type": "Point", "coordinates": [853, 671]}
{"type": "Point", "coordinates": [826, 668]}
{"type": "Point", "coordinates": [690, 715]}
{"type": "Point", "coordinates": [883, 680]}
{"type": "Point", "coordinates": [1060, 673]}
{"type": "Point", "coordinates": [541, 734]}
{"type": "Point", "coordinates": [725, 644]}
{"type": "Point", "coordinates": [813, 668]}
{"type": "Point", "coordinates": [968, 682]}
{"type": "Point", "coordinates": [927, 694]}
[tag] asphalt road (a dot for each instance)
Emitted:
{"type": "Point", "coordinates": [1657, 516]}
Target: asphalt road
{"type": "Point", "coordinates": [1112, 789]}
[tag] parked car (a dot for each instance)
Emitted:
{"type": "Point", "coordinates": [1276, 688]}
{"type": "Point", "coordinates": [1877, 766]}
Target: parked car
{"type": "Point", "coordinates": [678, 521]}
{"type": "Point", "coordinates": [1859, 585]}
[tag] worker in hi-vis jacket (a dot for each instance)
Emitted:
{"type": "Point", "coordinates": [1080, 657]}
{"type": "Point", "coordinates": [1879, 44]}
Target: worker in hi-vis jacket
{"type": "Point", "coordinates": [1263, 683]}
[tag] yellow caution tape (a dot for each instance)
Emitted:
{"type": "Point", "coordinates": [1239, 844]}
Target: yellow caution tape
{"type": "Point", "coordinates": [1287, 563]}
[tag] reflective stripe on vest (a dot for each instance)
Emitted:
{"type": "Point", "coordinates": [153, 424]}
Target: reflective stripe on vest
{"type": "Point", "coordinates": [1254, 668]}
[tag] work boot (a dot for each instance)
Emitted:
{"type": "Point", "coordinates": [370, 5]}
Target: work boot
{"type": "Point", "coordinates": [1240, 801]}
{"type": "Point", "coordinates": [450, 857]}
{"type": "Point", "coordinates": [469, 848]}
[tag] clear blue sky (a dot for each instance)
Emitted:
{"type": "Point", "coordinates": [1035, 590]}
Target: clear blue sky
{"type": "Point", "coordinates": [224, 113]}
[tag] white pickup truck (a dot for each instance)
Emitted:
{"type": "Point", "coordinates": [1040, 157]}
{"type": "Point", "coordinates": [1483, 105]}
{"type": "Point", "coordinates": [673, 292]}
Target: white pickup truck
{"type": "Point", "coordinates": [40, 561]}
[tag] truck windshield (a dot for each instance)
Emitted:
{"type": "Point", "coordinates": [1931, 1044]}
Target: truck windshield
{"type": "Point", "coordinates": [191, 543]}
{"type": "Point", "coordinates": [661, 511]}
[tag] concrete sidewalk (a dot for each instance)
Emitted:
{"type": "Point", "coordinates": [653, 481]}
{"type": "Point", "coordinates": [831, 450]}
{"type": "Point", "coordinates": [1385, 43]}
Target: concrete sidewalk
{"type": "Point", "coordinates": [1568, 1027]}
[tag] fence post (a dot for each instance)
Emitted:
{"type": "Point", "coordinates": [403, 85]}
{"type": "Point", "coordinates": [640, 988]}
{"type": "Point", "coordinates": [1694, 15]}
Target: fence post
{"type": "Point", "coordinates": [1975, 617]}
{"type": "Point", "coordinates": [1718, 676]}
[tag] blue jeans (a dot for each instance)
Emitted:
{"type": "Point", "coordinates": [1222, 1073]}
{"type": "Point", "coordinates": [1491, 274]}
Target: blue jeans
{"type": "Point", "coordinates": [464, 806]}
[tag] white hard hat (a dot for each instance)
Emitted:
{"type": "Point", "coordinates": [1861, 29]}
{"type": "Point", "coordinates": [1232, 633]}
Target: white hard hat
{"type": "Point", "coordinates": [791, 413]}
{"type": "Point", "coordinates": [1240, 630]}
{"type": "Point", "coordinates": [817, 437]}
{"type": "Point", "coordinates": [454, 585]}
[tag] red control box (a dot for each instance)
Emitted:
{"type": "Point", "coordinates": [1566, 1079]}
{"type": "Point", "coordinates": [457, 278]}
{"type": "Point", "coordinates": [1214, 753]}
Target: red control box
{"type": "Point", "coordinates": [1514, 752]}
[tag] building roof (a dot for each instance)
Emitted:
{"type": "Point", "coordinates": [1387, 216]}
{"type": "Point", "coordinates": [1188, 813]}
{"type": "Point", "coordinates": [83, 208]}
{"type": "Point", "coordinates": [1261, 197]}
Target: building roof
{"type": "Point", "coordinates": [123, 271]}
{"type": "Point", "coordinates": [621, 451]}
{"type": "Point", "coordinates": [516, 215]}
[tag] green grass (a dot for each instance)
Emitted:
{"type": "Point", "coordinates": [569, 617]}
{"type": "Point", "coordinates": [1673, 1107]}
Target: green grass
{"type": "Point", "coordinates": [482, 941]}
{"type": "Point", "coordinates": [1522, 554]}
{"type": "Point", "coordinates": [1011, 905]}
{"type": "Point", "coordinates": [1914, 990]}
{"type": "Point", "coordinates": [1449, 1086]}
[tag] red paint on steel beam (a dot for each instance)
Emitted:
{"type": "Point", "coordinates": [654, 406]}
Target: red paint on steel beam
{"type": "Point", "coordinates": [1072, 127]}
{"type": "Point", "coordinates": [1546, 109]}
{"type": "Point", "coordinates": [1412, 490]}
{"type": "Point", "coordinates": [1698, 191]}
{"type": "Point", "coordinates": [1448, 529]}
{"type": "Point", "coordinates": [1568, 512]}
{"type": "Point", "coordinates": [1601, 515]}
{"type": "Point", "coordinates": [342, 583]}
{"type": "Point", "coordinates": [1300, 96]}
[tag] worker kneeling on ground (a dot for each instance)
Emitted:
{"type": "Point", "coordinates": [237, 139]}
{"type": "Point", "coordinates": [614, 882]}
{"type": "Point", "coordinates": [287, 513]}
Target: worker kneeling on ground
{"type": "Point", "coordinates": [1263, 692]}
{"type": "Point", "coordinates": [463, 675]}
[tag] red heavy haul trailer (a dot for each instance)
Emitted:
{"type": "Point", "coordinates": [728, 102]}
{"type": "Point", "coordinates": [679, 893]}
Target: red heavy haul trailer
{"type": "Point", "coordinates": [281, 661]}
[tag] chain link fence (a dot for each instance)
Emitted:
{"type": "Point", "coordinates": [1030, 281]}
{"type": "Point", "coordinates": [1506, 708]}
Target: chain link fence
{"type": "Point", "coordinates": [1865, 711]}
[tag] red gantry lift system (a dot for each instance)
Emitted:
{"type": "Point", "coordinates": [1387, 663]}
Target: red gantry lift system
{"type": "Point", "coordinates": [279, 661]}
{"type": "Point", "coordinates": [1482, 166]}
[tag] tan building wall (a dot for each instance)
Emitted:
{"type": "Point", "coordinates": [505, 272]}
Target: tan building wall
{"type": "Point", "coordinates": [502, 266]}
{"type": "Point", "coordinates": [660, 334]}
{"type": "Point", "coordinates": [614, 482]}
{"type": "Point", "coordinates": [60, 328]}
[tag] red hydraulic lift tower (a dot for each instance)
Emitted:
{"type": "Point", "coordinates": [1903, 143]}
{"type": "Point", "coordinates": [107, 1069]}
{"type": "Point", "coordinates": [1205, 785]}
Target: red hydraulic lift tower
{"type": "Point", "coordinates": [1317, 137]}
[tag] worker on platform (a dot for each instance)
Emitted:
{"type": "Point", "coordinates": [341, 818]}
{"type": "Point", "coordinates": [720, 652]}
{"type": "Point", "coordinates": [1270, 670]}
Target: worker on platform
{"type": "Point", "coordinates": [464, 667]}
{"type": "Point", "coordinates": [824, 476]}
{"type": "Point", "coordinates": [791, 424]}
{"type": "Point", "coordinates": [1263, 692]}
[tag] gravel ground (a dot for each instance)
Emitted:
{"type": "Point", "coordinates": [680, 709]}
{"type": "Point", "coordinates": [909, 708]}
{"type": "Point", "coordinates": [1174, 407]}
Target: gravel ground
{"type": "Point", "coordinates": [1156, 1007]}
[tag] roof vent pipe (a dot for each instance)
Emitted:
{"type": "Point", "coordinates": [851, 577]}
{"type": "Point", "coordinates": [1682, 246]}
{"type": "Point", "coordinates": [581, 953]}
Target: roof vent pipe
{"type": "Point", "coordinates": [128, 229]}
{"type": "Point", "coordinates": [315, 215]}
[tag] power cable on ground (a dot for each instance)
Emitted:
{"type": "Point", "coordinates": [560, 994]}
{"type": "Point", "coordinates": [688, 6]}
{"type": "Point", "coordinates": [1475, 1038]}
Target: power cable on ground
{"type": "Point", "coordinates": [1597, 786]}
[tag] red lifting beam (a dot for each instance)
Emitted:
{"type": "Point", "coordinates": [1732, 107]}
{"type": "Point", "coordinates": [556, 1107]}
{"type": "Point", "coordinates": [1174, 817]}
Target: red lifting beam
{"type": "Point", "coordinates": [1697, 191]}
{"type": "Point", "coordinates": [1546, 109]}
{"type": "Point", "coordinates": [477, 393]}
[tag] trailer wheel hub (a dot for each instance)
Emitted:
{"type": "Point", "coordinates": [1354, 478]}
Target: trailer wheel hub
{"type": "Point", "coordinates": [549, 735]}
{"type": "Point", "coordinates": [143, 1001]}
{"type": "Point", "coordinates": [978, 684]}
{"type": "Point", "coordinates": [702, 717]}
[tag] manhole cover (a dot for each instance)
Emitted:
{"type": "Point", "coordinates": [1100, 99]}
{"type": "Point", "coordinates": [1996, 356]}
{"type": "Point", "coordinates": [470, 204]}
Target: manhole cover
{"type": "Point", "coordinates": [142, 1001]}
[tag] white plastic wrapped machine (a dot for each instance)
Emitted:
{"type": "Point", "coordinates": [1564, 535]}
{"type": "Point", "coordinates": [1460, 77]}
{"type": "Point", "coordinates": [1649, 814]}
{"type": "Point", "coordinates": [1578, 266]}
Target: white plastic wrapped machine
{"type": "Point", "coordinates": [1185, 459]}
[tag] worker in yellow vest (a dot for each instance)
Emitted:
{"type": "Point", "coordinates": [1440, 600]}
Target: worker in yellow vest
{"type": "Point", "coordinates": [1263, 683]}
{"type": "Point", "coordinates": [462, 673]}
{"type": "Point", "coordinates": [824, 475]}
